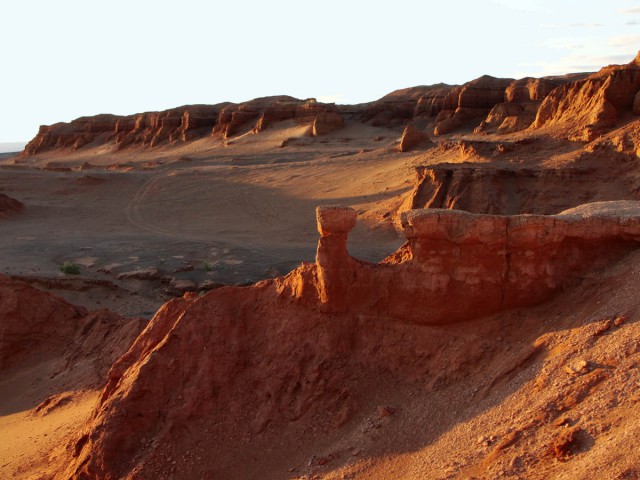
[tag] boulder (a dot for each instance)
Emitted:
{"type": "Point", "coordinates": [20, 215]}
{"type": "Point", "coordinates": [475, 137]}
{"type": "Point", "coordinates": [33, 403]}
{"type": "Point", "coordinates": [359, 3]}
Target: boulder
{"type": "Point", "coordinates": [412, 138]}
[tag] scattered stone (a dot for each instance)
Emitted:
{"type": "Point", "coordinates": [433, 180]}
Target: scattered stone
{"type": "Point", "coordinates": [385, 411]}
{"type": "Point", "coordinates": [209, 285]}
{"type": "Point", "coordinates": [140, 274]}
{"type": "Point", "coordinates": [178, 287]}
{"type": "Point", "coordinates": [576, 367]}
{"type": "Point", "coordinates": [565, 443]}
{"type": "Point", "coordinates": [184, 268]}
{"type": "Point", "coordinates": [619, 320]}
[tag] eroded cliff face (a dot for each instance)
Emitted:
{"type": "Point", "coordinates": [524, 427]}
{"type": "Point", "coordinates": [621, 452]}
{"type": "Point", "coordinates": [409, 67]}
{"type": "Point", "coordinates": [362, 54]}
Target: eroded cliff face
{"type": "Point", "coordinates": [501, 105]}
{"type": "Point", "coordinates": [178, 125]}
{"type": "Point", "coordinates": [217, 370]}
{"type": "Point", "coordinates": [587, 108]}
{"type": "Point", "coordinates": [487, 103]}
{"type": "Point", "coordinates": [496, 190]}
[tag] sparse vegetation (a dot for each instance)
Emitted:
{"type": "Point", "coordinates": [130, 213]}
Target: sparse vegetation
{"type": "Point", "coordinates": [70, 268]}
{"type": "Point", "coordinates": [207, 266]}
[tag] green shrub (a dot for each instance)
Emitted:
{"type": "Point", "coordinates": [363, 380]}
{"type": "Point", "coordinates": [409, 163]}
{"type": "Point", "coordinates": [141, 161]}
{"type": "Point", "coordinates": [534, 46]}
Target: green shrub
{"type": "Point", "coordinates": [70, 268]}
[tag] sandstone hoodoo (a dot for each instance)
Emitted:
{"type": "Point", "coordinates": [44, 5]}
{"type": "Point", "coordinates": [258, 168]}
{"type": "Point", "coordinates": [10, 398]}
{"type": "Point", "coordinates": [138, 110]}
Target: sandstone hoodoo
{"type": "Point", "coordinates": [204, 361]}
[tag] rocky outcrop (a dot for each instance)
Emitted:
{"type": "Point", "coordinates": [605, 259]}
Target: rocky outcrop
{"type": "Point", "coordinates": [509, 191]}
{"type": "Point", "coordinates": [327, 122]}
{"type": "Point", "coordinates": [9, 206]}
{"type": "Point", "coordinates": [480, 263]}
{"type": "Point", "coordinates": [397, 107]}
{"type": "Point", "coordinates": [295, 347]}
{"type": "Point", "coordinates": [636, 103]}
{"type": "Point", "coordinates": [412, 138]}
{"type": "Point", "coordinates": [36, 326]}
{"type": "Point", "coordinates": [587, 108]}
{"type": "Point", "coordinates": [257, 115]}
{"type": "Point", "coordinates": [448, 124]}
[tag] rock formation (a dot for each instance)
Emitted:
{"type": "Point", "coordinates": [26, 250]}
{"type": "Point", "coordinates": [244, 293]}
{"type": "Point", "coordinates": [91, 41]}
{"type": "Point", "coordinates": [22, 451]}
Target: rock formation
{"type": "Point", "coordinates": [9, 206]}
{"type": "Point", "coordinates": [181, 124]}
{"type": "Point", "coordinates": [509, 191]}
{"type": "Point", "coordinates": [636, 103]}
{"type": "Point", "coordinates": [586, 108]}
{"type": "Point", "coordinates": [36, 326]}
{"type": "Point", "coordinates": [450, 107]}
{"type": "Point", "coordinates": [412, 138]}
{"type": "Point", "coordinates": [296, 346]}
{"type": "Point", "coordinates": [327, 122]}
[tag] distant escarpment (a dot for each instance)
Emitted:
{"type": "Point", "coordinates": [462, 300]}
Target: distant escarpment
{"type": "Point", "coordinates": [582, 106]}
{"type": "Point", "coordinates": [501, 105]}
{"type": "Point", "coordinates": [181, 124]}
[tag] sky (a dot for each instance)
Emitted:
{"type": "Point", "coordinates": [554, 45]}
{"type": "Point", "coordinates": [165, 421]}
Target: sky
{"type": "Point", "coordinates": [64, 59]}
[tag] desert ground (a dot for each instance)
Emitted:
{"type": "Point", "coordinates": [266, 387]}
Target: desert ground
{"type": "Point", "coordinates": [479, 321]}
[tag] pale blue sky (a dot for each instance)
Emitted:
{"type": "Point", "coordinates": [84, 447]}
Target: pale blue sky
{"type": "Point", "coordinates": [64, 59]}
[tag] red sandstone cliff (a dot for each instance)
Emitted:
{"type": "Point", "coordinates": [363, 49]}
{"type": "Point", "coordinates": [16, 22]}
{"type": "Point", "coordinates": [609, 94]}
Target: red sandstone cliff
{"type": "Point", "coordinates": [224, 370]}
{"type": "Point", "coordinates": [176, 125]}
{"type": "Point", "coordinates": [505, 105]}
{"type": "Point", "coordinates": [588, 107]}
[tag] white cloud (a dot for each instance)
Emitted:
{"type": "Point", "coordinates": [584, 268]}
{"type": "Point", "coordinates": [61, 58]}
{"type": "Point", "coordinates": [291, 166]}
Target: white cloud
{"type": "Point", "coordinates": [573, 64]}
{"type": "Point", "coordinates": [571, 25]}
{"type": "Point", "coordinates": [633, 22]}
{"type": "Point", "coordinates": [625, 41]}
{"type": "Point", "coordinates": [561, 44]}
{"type": "Point", "coordinates": [335, 98]}
{"type": "Point", "coordinates": [523, 5]}
{"type": "Point", "coordinates": [630, 11]}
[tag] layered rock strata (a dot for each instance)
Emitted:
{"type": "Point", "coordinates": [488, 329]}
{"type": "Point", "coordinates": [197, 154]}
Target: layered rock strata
{"type": "Point", "coordinates": [508, 191]}
{"type": "Point", "coordinates": [181, 124]}
{"type": "Point", "coordinates": [588, 107]}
